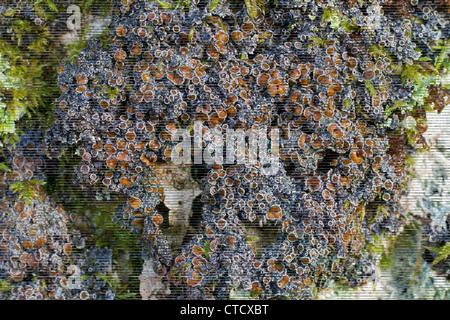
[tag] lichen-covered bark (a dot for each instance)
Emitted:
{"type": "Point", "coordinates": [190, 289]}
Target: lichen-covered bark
{"type": "Point", "coordinates": [346, 84]}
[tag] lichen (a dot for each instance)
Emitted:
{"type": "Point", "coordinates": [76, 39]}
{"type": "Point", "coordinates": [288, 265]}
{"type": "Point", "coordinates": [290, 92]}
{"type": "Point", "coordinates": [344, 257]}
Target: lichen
{"type": "Point", "coordinates": [342, 87]}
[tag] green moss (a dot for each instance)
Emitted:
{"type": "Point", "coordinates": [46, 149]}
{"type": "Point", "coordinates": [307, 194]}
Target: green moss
{"type": "Point", "coordinates": [26, 89]}
{"type": "Point", "coordinates": [423, 74]}
{"type": "Point", "coordinates": [206, 249]}
{"type": "Point", "coordinates": [252, 8]}
{"type": "Point", "coordinates": [27, 189]}
{"type": "Point", "coordinates": [5, 289]}
{"type": "Point", "coordinates": [316, 41]}
{"type": "Point", "coordinates": [442, 252]}
{"type": "Point", "coordinates": [337, 20]}
{"type": "Point", "coordinates": [213, 4]}
{"type": "Point", "coordinates": [75, 48]}
{"type": "Point", "coordinates": [124, 244]}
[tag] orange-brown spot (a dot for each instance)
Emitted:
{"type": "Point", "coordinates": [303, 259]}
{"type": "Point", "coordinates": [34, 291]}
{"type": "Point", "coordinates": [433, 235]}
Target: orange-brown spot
{"type": "Point", "coordinates": [154, 144]}
{"type": "Point", "coordinates": [122, 156]}
{"type": "Point", "coordinates": [212, 52]}
{"type": "Point", "coordinates": [81, 89]}
{"type": "Point", "coordinates": [157, 219]}
{"type": "Point", "coordinates": [197, 250]}
{"type": "Point", "coordinates": [121, 30]}
{"type": "Point", "coordinates": [274, 213]}
{"type": "Point", "coordinates": [296, 97]}
{"type": "Point", "coordinates": [369, 75]}
{"type": "Point", "coordinates": [175, 78]}
{"type": "Point", "coordinates": [81, 79]}
{"type": "Point", "coordinates": [282, 88]}
{"type": "Point", "coordinates": [166, 18]}
{"type": "Point", "coordinates": [146, 160]}
{"type": "Point", "coordinates": [335, 131]}
{"type": "Point", "coordinates": [305, 260]}
{"type": "Point", "coordinates": [195, 280]}
{"type": "Point", "coordinates": [222, 36]}
{"type": "Point", "coordinates": [351, 63]}
{"type": "Point", "coordinates": [263, 80]}
{"type": "Point", "coordinates": [356, 156]}
{"type": "Point", "coordinates": [109, 148]}
{"type": "Point", "coordinates": [186, 72]}
{"type": "Point", "coordinates": [130, 136]}
{"type": "Point", "coordinates": [32, 261]}
{"type": "Point", "coordinates": [138, 223]}
{"type": "Point", "coordinates": [145, 77]}
{"type": "Point", "coordinates": [308, 113]}
{"type": "Point", "coordinates": [283, 281]}
{"type": "Point", "coordinates": [221, 224]}
{"type": "Point", "coordinates": [121, 144]}
{"type": "Point", "coordinates": [295, 74]}
{"type": "Point", "coordinates": [125, 182]}
{"type": "Point", "coordinates": [231, 112]}
{"type": "Point", "coordinates": [272, 89]}
{"type": "Point", "coordinates": [19, 206]}
{"type": "Point", "coordinates": [67, 248]}
{"type": "Point", "coordinates": [104, 104]}
{"type": "Point", "coordinates": [180, 260]}
{"type": "Point", "coordinates": [298, 110]}
{"type": "Point", "coordinates": [158, 71]}
{"type": "Point", "coordinates": [237, 35]}
{"type": "Point", "coordinates": [313, 183]}
{"type": "Point", "coordinates": [317, 143]}
{"type": "Point", "coordinates": [247, 27]}
{"type": "Point", "coordinates": [221, 46]}
{"type": "Point", "coordinates": [64, 88]}
{"type": "Point", "coordinates": [120, 55]}
{"type": "Point", "coordinates": [324, 79]}
{"type": "Point", "coordinates": [40, 241]}
{"type": "Point", "coordinates": [26, 244]}
{"type": "Point", "coordinates": [317, 115]}
{"type": "Point", "coordinates": [213, 245]}
{"type": "Point", "coordinates": [134, 202]}
{"type": "Point", "coordinates": [302, 140]}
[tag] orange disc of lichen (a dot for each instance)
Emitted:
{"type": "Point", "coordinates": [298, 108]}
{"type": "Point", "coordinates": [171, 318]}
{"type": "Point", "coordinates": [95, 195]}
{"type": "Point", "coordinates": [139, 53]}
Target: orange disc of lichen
{"type": "Point", "coordinates": [197, 250]}
{"type": "Point", "coordinates": [134, 202]}
{"type": "Point", "coordinates": [121, 30]}
{"type": "Point", "coordinates": [120, 55]}
{"type": "Point", "coordinates": [125, 182]}
{"type": "Point", "coordinates": [356, 156]}
{"type": "Point", "coordinates": [274, 213]}
{"type": "Point", "coordinates": [195, 280]}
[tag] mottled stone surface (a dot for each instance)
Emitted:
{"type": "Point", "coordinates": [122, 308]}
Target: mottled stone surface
{"type": "Point", "coordinates": [180, 190]}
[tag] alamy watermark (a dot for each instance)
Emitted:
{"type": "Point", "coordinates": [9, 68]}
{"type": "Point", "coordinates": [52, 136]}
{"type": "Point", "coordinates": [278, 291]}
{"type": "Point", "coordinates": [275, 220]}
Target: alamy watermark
{"type": "Point", "coordinates": [74, 21]}
{"type": "Point", "coordinates": [229, 146]}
